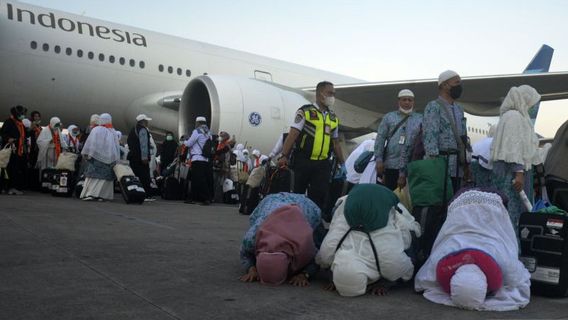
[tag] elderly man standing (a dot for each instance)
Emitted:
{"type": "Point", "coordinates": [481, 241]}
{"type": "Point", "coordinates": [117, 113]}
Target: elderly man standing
{"type": "Point", "coordinates": [139, 155]}
{"type": "Point", "coordinates": [395, 138]}
{"type": "Point", "coordinates": [444, 126]}
{"type": "Point", "coordinates": [201, 169]}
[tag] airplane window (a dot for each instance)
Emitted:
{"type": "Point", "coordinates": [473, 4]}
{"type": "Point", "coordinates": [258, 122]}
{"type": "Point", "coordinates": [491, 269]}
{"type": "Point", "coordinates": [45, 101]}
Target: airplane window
{"type": "Point", "coordinates": [142, 64]}
{"type": "Point", "coordinates": [80, 53]}
{"type": "Point", "coordinates": [111, 59]}
{"type": "Point", "coordinates": [170, 69]}
{"type": "Point", "coordinates": [122, 60]}
{"type": "Point", "coordinates": [57, 49]}
{"type": "Point", "coordinates": [33, 45]}
{"type": "Point", "coordinates": [132, 62]}
{"type": "Point", "coordinates": [188, 73]}
{"type": "Point", "coordinates": [69, 51]}
{"type": "Point", "coordinates": [161, 68]}
{"type": "Point", "coordinates": [179, 71]}
{"type": "Point", "coordinates": [45, 47]}
{"type": "Point", "coordinates": [91, 55]}
{"type": "Point", "coordinates": [101, 57]}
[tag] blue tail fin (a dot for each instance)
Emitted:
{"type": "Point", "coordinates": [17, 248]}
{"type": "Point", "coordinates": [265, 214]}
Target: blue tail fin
{"type": "Point", "coordinates": [539, 63]}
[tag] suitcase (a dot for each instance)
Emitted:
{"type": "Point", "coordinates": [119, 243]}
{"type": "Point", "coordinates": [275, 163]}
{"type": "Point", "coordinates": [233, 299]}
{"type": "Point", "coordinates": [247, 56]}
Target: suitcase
{"type": "Point", "coordinates": [249, 200]}
{"type": "Point", "coordinates": [280, 180]}
{"type": "Point", "coordinates": [171, 189]}
{"type": "Point", "coordinates": [132, 189]}
{"type": "Point", "coordinates": [231, 197]}
{"type": "Point", "coordinates": [544, 252]}
{"type": "Point", "coordinates": [63, 183]}
{"type": "Point", "coordinates": [48, 177]}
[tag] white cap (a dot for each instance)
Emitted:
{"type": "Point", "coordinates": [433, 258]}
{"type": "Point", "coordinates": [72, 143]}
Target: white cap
{"type": "Point", "coordinates": [405, 93]}
{"type": "Point", "coordinates": [446, 75]}
{"type": "Point", "coordinates": [256, 152]}
{"type": "Point", "coordinates": [141, 117]}
{"type": "Point", "coordinates": [200, 119]}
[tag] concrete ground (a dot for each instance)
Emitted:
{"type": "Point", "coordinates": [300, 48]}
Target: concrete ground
{"type": "Point", "coordinates": [67, 259]}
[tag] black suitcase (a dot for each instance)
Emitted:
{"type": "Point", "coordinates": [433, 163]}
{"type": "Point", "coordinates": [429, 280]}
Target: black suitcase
{"type": "Point", "coordinates": [63, 184]}
{"type": "Point", "coordinates": [48, 180]}
{"type": "Point", "coordinates": [171, 189]}
{"type": "Point", "coordinates": [231, 197]}
{"type": "Point", "coordinates": [280, 180]}
{"type": "Point", "coordinates": [132, 189]}
{"type": "Point", "coordinates": [249, 200]}
{"type": "Point", "coordinates": [544, 252]}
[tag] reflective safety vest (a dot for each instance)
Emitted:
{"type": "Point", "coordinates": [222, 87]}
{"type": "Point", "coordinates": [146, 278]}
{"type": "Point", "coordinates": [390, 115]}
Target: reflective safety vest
{"type": "Point", "coordinates": [315, 139]}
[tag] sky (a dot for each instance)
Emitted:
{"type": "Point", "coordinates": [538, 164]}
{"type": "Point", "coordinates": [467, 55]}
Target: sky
{"type": "Point", "coordinates": [369, 40]}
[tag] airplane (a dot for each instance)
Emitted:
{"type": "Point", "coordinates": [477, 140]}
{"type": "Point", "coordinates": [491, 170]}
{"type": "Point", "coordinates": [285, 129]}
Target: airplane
{"type": "Point", "coordinates": [73, 66]}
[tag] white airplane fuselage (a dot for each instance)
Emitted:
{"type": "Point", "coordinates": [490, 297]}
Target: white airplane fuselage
{"type": "Point", "coordinates": [72, 66]}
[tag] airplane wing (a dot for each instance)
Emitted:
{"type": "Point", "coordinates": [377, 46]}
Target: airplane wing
{"type": "Point", "coordinates": [482, 95]}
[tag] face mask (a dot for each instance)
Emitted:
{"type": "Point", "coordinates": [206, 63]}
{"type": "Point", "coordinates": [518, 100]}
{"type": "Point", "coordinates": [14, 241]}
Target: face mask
{"type": "Point", "coordinates": [405, 111]}
{"type": "Point", "coordinates": [74, 133]}
{"type": "Point", "coordinates": [21, 117]}
{"type": "Point", "coordinates": [456, 92]}
{"type": "Point", "coordinates": [57, 125]}
{"type": "Point", "coordinates": [169, 138]}
{"type": "Point", "coordinates": [38, 122]}
{"type": "Point", "coordinates": [329, 101]}
{"type": "Point", "coordinates": [220, 139]}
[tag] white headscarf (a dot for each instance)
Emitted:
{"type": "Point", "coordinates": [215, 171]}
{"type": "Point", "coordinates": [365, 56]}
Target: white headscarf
{"type": "Point", "coordinates": [94, 120]}
{"type": "Point", "coordinates": [515, 140]}
{"type": "Point", "coordinates": [479, 220]}
{"type": "Point", "coordinates": [102, 143]}
{"type": "Point", "coordinates": [45, 138]}
{"type": "Point", "coordinates": [468, 287]}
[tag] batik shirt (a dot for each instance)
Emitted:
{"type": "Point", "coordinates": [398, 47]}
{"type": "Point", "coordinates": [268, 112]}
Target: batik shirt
{"type": "Point", "coordinates": [268, 205]}
{"type": "Point", "coordinates": [400, 144]}
{"type": "Point", "coordinates": [438, 135]}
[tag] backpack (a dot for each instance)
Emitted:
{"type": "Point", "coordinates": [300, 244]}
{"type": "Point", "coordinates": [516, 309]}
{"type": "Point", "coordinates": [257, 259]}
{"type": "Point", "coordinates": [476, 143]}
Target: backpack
{"type": "Point", "coordinates": [208, 148]}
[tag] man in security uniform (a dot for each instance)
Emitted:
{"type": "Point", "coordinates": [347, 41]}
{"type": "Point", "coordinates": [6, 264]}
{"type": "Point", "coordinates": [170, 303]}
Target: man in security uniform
{"type": "Point", "coordinates": [314, 131]}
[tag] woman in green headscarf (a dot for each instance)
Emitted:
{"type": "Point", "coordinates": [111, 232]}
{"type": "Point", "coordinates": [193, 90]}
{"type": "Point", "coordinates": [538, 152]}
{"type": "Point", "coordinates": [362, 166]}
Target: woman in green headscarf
{"type": "Point", "coordinates": [366, 240]}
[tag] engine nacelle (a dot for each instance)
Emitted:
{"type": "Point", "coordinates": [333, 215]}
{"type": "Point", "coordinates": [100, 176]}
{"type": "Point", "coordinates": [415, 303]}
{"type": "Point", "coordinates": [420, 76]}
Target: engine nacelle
{"type": "Point", "coordinates": [256, 112]}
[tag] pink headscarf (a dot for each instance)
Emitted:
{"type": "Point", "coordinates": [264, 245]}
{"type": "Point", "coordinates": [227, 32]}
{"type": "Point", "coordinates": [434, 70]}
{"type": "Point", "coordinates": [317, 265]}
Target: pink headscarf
{"type": "Point", "coordinates": [284, 243]}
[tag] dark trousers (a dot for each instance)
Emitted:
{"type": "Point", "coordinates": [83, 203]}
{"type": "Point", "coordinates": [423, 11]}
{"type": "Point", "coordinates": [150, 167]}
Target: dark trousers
{"type": "Point", "coordinates": [201, 181]}
{"type": "Point", "coordinates": [17, 172]}
{"type": "Point", "coordinates": [312, 175]}
{"type": "Point", "coordinates": [142, 171]}
{"type": "Point", "coordinates": [390, 178]}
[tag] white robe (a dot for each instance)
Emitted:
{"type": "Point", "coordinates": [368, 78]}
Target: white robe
{"type": "Point", "coordinates": [353, 265]}
{"type": "Point", "coordinates": [479, 220]}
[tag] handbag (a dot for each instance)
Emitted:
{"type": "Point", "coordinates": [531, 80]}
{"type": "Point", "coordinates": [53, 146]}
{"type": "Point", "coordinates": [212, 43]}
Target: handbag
{"type": "Point", "coordinates": [363, 160]}
{"type": "Point", "coordinates": [426, 182]}
{"type": "Point", "coordinates": [5, 154]}
{"type": "Point", "coordinates": [404, 197]}
{"type": "Point", "coordinates": [66, 161]}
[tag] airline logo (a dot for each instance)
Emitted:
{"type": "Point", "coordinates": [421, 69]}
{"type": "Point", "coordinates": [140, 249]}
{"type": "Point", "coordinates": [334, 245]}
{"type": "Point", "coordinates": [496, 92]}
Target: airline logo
{"type": "Point", "coordinates": [49, 20]}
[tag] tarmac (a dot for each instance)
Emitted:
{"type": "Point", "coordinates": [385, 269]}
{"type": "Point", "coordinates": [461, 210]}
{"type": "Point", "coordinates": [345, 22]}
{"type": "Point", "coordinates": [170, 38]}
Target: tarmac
{"type": "Point", "coordinates": [62, 258]}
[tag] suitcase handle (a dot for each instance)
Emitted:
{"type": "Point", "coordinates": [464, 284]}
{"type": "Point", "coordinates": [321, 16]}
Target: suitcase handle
{"type": "Point", "coordinates": [544, 251]}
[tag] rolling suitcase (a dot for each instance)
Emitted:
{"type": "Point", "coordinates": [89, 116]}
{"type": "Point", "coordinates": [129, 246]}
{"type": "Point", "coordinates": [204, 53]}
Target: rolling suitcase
{"type": "Point", "coordinates": [63, 184]}
{"type": "Point", "coordinates": [132, 189]}
{"type": "Point", "coordinates": [48, 177]}
{"type": "Point", "coordinates": [171, 189]}
{"type": "Point", "coordinates": [544, 252]}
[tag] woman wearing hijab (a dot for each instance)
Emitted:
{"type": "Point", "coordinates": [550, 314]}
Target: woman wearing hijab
{"type": "Point", "coordinates": [515, 148]}
{"type": "Point", "coordinates": [101, 151]}
{"type": "Point", "coordinates": [366, 242]}
{"type": "Point", "coordinates": [50, 143]}
{"type": "Point", "coordinates": [481, 164]}
{"type": "Point", "coordinates": [556, 169]}
{"type": "Point", "coordinates": [168, 152]}
{"type": "Point", "coordinates": [285, 230]}
{"type": "Point", "coordinates": [474, 261]}
{"type": "Point", "coordinates": [13, 134]}
{"type": "Point", "coordinates": [221, 164]}
{"type": "Point", "coordinates": [72, 139]}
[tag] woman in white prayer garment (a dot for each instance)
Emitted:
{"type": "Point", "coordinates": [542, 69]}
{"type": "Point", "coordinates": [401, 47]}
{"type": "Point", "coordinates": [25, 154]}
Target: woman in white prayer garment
{"type": "Point", "coordinates": [101, 151]}
{"type": "Point", "coordinates": [474, 261]}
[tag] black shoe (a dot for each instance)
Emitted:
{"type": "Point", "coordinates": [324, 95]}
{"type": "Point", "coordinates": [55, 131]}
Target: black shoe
{"type": "Point", "coordinates": [189, 202]}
